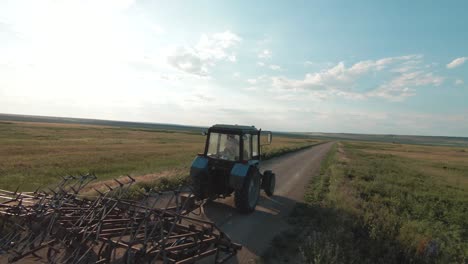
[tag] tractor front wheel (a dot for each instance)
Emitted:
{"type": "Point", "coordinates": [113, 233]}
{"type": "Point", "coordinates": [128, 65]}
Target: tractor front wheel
{"type": "Point", "coordinates": [247, 197]}
{"type": "Point", "coordinates": [269, 182]}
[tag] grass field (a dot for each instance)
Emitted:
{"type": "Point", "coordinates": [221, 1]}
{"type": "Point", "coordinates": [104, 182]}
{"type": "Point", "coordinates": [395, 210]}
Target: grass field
{"type": "Point", "coordinates": [37, 154]}
{"type": "Point", "coordinates": [383, 203]}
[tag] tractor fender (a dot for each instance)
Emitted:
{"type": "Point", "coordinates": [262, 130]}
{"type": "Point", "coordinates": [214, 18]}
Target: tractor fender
{"type": "Point", "coordinates": [199, 167]}
{"type": "Point", "coordinates": [238, 173]}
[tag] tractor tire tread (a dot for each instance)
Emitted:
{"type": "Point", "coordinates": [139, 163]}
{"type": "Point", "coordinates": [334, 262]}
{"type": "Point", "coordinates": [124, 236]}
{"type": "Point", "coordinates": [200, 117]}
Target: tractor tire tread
{"type": "Point", "coordinates": [241, 197]}
{"type": "Point", "coordinates": [268, 188]}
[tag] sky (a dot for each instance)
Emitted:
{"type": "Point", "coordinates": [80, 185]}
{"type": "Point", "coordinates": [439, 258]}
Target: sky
{"type": "Point", "coordinates": [385, 67]}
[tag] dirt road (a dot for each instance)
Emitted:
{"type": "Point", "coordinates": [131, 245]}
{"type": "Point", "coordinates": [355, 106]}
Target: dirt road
{"type": "Point", "coordinates": [256, 230]}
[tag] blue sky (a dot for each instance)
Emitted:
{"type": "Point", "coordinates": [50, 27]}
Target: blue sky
{"type": "Point", "coordinates": [389, 67]}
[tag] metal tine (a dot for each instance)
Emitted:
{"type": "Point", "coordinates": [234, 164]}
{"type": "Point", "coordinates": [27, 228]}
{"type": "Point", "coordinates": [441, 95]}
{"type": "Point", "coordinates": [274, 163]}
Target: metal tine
{"type": "Point", "coordinates": [74, 191]}
{"type": "Point", "coordinates": [100, 193]}
{"type": "Point", "coordinates": [102, 217]}
{"type": "Point", "coordinates": [110, 188]}
{"type": "Point", "coordinates": [135, 231]}
{"type": "Point", "coordinates": [83, 180]}
{"type": "Point", "coordinates": [132, 179]}
{"type": "Point", "coordinates": [17, 188]}
{"type": "Point", "coordinates": [91, 211]}
{"type": "Point", "coordinates": [147, 213]}
{"type": "Point", "coordinates": [52, 191]}
{"type": "Point", "coordinates": [169, 232]}
{"type": "Point", "coordinates": [120, 184]}
{"type": "Point", "coordinates": [36, 192]}
{"type": "Point", "coordinates": [98, 226]}
{"type": "Point", "coordinates": [132, 238]}
{"type": "Point", "coordinates": [88, 179]}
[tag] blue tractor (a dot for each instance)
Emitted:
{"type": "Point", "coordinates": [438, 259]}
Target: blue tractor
{"type": "Point", "coordinates": [231, 164]}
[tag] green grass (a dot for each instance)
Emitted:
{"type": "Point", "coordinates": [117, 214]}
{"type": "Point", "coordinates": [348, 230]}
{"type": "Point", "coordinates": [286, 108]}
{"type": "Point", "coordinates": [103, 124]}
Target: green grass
{"type": "Point", "coordinates": [385, 203]}
{"type": "Point", "coordinates": [38, 154]}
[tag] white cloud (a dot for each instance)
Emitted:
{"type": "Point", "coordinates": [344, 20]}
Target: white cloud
{"type": "Point", "coordinates": [459, 82]}
{"type": "Point", "coordinates": [209, 50]}
{"type": "Point", "coordinates": [403, 86]}
{"type": "Point", "coordinates": [261, 64]}
{"type": "Point", "coordinates": [158, 29]}
{"type": "Point", "coordinates": [340, 75]}
{"type": "Point", "coordinates": [252, 81]}
{"type": "Point", "coordinates": [311, 81]}
{"type": "Point", "coordinates": [232, 58]}
{"type": "Point", "coordinates": [200, 98]}
{"type": "Point", "coordinates": [250, 88]}
{"type": "Point", "coordinates": [378, 65]}
{"type": "Point", "coordinates": [347, 82]}
{"type": "Point", "coordinates": [275, 67]}
{"type": "Point", "coordinates": [410, 65]}
{"type": "Point", "coordinates": [264, 54]}
{"type": "Point", "coordinates": [264, 79]}
{"type": "Point", "coordinates": [216, 46]}
{"type": "Point", "coordinates": [257, 83]}
{"type": "Point", "coordinates": [327, 78]}
{"type": "Point", "coordinates": [457, 62]}
{"type": "Point", "coordinates": [189, 61]}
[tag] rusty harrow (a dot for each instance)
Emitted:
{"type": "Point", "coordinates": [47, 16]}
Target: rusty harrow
{"type": "Point", "coordinates": [61, 226]}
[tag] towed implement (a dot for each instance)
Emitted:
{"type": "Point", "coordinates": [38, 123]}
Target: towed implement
{"type": "Point", "coordinates": [61, 226]}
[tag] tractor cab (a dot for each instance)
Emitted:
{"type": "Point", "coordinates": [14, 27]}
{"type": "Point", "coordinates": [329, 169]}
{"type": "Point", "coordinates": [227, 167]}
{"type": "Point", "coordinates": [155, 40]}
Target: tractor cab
{"type": "Point", "coordinates": [230, 163]}
{"type": "Point", "coordinates": [233, 143]}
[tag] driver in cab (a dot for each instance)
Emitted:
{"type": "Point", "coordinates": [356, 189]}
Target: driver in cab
{"type": "Point", "coordinates": [231, 150]}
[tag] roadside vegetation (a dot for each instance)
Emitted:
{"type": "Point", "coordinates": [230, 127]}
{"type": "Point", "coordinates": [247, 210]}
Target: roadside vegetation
{"type": "Point", "coordinates": [38, 154]}
{"type": "Point", "coordinates": [382, 203]}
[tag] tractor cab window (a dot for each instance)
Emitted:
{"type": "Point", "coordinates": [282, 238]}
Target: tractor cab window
{"type": "Point", "coordinates": [255, 152]}
{"type": "Point", "coordinates": [247, 147]}
{"type": "Point", "coordinates": [224, 146]}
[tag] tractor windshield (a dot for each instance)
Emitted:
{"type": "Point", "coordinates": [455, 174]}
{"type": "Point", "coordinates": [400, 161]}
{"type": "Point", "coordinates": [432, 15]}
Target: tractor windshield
{"type": "Point", "coordinates": [224, 146]}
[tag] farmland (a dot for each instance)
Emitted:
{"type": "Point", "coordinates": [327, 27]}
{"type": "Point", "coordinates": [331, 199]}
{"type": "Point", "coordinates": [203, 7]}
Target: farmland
{"type": "Point", "coordinates": [37, 154]}
{"type": "Point", "coordinates": [372, 202]}
{"type": "Point", "coordinates": [385, 203]}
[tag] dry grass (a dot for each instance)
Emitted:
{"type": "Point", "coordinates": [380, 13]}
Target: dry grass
{"type": "Point", "coordinates": [37, 154]}
{"type": "Point", "coordinates": [447, 165]}
{"type": "Point", "coordinates": [448, 154]}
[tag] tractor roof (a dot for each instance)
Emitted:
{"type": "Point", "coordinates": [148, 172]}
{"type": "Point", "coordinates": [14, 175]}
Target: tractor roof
{"type": "Point", "coordinates": [236, 128]}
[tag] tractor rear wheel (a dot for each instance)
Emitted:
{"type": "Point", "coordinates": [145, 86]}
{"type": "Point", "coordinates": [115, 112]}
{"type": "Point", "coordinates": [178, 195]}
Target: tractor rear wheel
{"type": "Point", "coordinates": [247, 197]}
{"type": "Point", "coordinates": [269, 182]}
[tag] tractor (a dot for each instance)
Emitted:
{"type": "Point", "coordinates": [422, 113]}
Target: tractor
{"type": "Point", "coordinates": [231, 164]}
